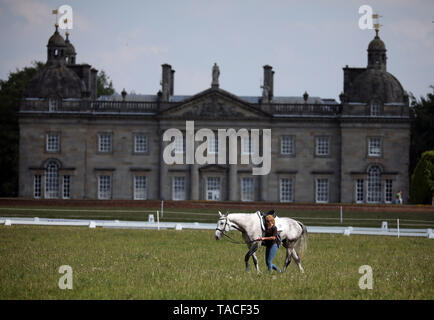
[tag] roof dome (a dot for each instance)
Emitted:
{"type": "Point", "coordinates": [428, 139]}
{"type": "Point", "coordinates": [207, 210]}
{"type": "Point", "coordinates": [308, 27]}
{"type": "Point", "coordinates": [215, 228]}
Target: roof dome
{"type": "Point", "coordinates": [55, 79]}
{"type": "Point", "coordinates": [377, 44]}
{"type": "Point", "coordinates": [376, 84]}
{"type": "Point", "coordinates": [70, 49]}
{"type": "Point", "coordinates": [56, 40]}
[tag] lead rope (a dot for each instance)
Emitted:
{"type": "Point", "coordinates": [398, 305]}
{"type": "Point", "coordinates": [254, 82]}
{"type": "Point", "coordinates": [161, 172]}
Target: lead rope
{"type": "Point", "coordinates": [235, 241]}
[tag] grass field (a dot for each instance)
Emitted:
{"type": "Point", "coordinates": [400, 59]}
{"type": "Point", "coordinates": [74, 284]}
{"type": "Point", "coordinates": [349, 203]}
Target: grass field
{"type": "Point", "coordinates": [148, 264]}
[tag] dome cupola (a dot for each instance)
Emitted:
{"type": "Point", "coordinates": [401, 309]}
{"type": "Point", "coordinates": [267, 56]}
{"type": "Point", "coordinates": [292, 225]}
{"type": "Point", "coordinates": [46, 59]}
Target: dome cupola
{"type": "Point", "coordinates": [374, 82]}
{"type": "Point", "coordinates": [377, 58]}
{"type": "Point", "coordinates": [70, 53]}
{"type": "Point", "coordinates": [56, 47]}
{"type": "Point", "coordinates": [56, 79]}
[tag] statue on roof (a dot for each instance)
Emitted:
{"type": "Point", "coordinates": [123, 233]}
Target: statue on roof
{"type": "Point", "coordinates": [215, 75]}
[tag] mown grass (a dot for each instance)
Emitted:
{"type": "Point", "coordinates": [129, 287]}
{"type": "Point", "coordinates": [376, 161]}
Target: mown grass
{"type": "Point", "coordinates": [148, 264]}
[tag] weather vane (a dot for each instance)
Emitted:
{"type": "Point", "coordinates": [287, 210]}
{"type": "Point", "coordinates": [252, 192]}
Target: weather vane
{"type": "Point", "coordinates": [56, 12]}
{"type": "Point", "coordinates": [377, 25]}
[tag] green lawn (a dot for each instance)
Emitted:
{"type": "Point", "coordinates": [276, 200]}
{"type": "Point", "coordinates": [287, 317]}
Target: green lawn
{"type": "Point", "coordinates": [150, 264]}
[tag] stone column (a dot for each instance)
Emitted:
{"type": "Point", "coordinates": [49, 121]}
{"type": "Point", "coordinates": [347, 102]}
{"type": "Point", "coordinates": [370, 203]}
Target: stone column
{"type": "Point", "coordinates": [165, 184]}
{"type": "Point", "coordinates": [263, 188]}
{"type": "Point", "coordinates": [194, 182]}
{"type": "Point", "coordinates": [233, 182]}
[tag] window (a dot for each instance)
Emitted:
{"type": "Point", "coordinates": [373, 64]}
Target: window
{"type": "Point", "coordinates": [52, 104]}
{"type": "Point", "coordinates": [374, 185]}
{"type": "Point", "coordinates": [374, 147]}
{"type": "Point", "coordinates": [213, 146]}
{"type": "Point", "coordinates": [139, 187]}
{"type": "Point", "coordinates": [247, 145]}
{"type": "Point", "coordinates": [322, 190]}
{"type": "Point", "coordinates": [388, 195]}
{"type": "Point", "coordinates": [66, 187]}
{"type": "Point", "coordinates": [375, 108]}
{"type": "Point", "coordinates": [178, 188]}
{"type": "Point", "coordinates": [287, 145]}
{"type": "Point", "coordinates": [105, 142]}
{"type": "Point", "coordinates": [104, 187]}
{"type": "Point", "coordinates": [37, 186]}
{"type": "Point", "coordinates": [213, 188]}
{"type": "Point", "coordinates": [247, 189]}
{"type": "Point", "coordinates": [286, 190]}
{"type": "Point", "coordinates": [322, 147]}
{"type": "Point", "coordinates": [359, 191]}
{"type": "Point", "coordinates": [52, 180]}
{"type": "Point", "coordinates": [52, 142]}
{"type": "Point", "coordinates": [180, 145]}
{"type": "Point", "coordinates": [140, 143]}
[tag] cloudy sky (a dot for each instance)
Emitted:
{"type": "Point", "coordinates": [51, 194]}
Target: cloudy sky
{"type": "Point", "coordinates": [307, 42]}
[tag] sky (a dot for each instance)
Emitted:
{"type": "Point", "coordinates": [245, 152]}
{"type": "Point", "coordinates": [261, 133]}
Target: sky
{"type": "Point", "coordinates": [306, 42]}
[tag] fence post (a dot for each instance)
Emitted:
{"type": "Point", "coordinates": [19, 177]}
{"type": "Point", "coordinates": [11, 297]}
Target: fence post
{"type": "Point", "coordinates": [342, 218]}
{"type": "Point", "coordinates": [158, 220]}
{"type": "Point", "coordinates": [397, 225]}
{"type": "Point", "coordinates": [162, 208]}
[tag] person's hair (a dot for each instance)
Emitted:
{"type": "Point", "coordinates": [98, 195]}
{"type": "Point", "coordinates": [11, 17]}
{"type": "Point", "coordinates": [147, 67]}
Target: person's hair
{"type": "Point", "coordinates": [270, 218]}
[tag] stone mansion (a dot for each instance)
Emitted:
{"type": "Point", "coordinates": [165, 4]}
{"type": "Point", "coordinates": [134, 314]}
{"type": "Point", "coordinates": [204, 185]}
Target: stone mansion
{"type": "Point", "coordinates": [75, 145]}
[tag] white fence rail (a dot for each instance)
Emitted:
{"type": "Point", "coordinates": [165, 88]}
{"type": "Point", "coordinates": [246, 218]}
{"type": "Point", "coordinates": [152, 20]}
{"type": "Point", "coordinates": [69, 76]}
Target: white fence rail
{"type": "Point", "coordinates": [151, 224]}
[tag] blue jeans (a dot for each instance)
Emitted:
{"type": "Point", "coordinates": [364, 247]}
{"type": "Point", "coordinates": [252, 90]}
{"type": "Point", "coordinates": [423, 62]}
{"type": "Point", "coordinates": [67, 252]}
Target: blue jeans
{"type": "Point", "coordinates": [270, 252]}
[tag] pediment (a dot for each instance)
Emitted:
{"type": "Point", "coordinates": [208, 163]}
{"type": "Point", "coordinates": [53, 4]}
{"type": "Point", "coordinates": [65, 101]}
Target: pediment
{"type": "Point", "coordinates": [214, 104]}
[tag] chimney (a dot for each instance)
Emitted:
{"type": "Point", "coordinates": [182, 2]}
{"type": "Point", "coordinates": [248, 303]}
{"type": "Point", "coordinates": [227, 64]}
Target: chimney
{"type": "Point", "coordinates": [346, 79]}
{"type": "Point", "coordinates": [268, 82]}
{"type": "Point", "coordinates": [172, 82]}
{"type": "Point", "coordinates": [166, 81]}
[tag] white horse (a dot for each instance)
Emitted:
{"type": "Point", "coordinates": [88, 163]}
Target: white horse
{"type": "Point", "coordinates": [293, 234]}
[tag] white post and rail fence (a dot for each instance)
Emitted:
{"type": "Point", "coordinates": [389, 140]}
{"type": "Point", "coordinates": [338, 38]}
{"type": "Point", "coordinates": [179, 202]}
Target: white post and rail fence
{"type": "Point", "coordinates": [149, 223]}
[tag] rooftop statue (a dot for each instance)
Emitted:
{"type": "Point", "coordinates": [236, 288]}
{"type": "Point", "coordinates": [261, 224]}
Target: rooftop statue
{"type": "Point", "coordinates": [215, 75]}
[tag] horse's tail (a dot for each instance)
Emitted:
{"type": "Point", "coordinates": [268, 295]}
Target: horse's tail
{"type": "Point", "coordinates": [301, 244]}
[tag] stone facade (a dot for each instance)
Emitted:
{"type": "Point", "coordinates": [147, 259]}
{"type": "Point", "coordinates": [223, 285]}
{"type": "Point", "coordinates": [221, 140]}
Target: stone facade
{"type": "Point", "coordinates": [80, 147]}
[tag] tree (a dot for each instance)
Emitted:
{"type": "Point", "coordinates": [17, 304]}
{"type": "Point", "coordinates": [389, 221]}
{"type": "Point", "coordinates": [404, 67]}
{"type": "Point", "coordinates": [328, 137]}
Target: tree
{"type": "Point", "coordinates": [11, 92]}
{"type": "Point", "coordinates": [422, 133]}
{"type": "Point", "coordinates": [422, 179]}
{"type": "Point", "coordinates": [103, 86]}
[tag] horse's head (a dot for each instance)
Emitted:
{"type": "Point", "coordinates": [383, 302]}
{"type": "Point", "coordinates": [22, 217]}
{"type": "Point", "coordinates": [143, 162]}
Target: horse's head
{"type": "Point", "coordinates": [223, 226]}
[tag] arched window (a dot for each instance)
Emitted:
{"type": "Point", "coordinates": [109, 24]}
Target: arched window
{"type": "Point", "coordinates": [53, 104]}
{"type": "Point", "coordinates": [374, 185]}
{"type": "Point", "coordinates": [52, 180]}
{"type": "Point", "coordinates": [375, 108]}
